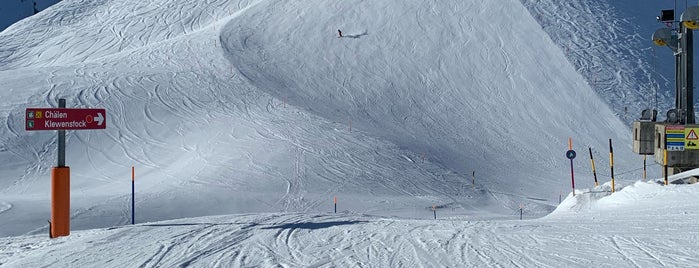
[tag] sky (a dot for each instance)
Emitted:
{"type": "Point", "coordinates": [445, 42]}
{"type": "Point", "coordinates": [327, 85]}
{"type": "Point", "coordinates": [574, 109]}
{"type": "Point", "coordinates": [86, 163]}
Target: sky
{"type": "Point", "coordinates": [255, 115]}
{"type": "Point", "coordinates": [15, 10]}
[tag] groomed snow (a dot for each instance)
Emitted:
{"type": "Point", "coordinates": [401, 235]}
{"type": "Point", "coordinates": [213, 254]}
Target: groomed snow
{"type": "Point", "coordinates": [641, 225]}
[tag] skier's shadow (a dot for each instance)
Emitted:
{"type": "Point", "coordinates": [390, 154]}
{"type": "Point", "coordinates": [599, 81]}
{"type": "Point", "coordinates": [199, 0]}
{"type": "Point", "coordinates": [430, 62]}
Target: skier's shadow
{"type": "Point", "coordinates": [356, 35]}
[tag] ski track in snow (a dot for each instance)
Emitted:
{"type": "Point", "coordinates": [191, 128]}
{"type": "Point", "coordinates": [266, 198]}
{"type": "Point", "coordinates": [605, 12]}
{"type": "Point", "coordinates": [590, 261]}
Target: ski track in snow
{"type": "Point", "coordinates": [292, 240]}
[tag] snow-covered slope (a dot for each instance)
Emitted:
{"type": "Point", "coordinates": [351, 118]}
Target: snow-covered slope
{"type": "Point", "coordinates": [439, 82]}
{"type": "Point", "coordinates": [642, 225]}
{"type": "Point", "coordinates": [256, 106]}
{"type": "Point", "coordinates": [609, 44]}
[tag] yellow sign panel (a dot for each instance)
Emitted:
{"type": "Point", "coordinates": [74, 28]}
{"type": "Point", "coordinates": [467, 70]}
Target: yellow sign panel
{"type": "Point", "coordinates": [691, 138]}
{"type": "Point", "coordinates": [674, 138]}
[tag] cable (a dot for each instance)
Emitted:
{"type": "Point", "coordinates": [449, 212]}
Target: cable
{"type": "Point", "coordinates": [654, 87]}
{"type": "Point", "coordinates": [627, 171]}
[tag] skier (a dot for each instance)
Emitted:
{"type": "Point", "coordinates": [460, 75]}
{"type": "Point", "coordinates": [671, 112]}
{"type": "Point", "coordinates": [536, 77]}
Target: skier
{"type": "Point", "coordinates": [339, 32]}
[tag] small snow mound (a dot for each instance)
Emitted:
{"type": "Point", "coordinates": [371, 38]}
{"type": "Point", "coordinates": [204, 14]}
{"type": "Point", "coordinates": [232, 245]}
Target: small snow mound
{"type": "Point", "coordinates": [4, 206]}
{"type": "Point", "coordinates": [637, 199]}
{"type": "Point", "coordinates": [601, 198]}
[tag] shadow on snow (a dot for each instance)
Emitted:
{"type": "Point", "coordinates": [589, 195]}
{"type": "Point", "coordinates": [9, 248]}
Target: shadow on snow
{"type": "Point", "coordinates": [313, 225]}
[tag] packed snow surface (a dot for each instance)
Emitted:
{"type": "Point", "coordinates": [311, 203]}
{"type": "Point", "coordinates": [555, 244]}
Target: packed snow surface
{"type": "Point", "coordinates": [642, 225]}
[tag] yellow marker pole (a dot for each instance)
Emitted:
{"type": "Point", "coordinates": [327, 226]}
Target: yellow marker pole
{"type": "Point", "coordinates": [594, 172]}
{"type": "Point", "coordinates": [611, 162]}
{"type": "Point", "coordinates": [665, 164]}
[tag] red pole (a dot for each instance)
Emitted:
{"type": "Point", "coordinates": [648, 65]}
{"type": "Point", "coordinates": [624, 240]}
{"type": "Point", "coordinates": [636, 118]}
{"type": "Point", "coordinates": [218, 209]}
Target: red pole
{"type": "Point", "coordinates": [133, 196]}
{"type": "Point", "coordinates": [572, 174]}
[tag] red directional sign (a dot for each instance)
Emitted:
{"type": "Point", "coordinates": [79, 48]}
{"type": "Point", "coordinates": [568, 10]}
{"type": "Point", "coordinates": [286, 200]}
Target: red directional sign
{"type": "Point", "coordinates": [65, 119]}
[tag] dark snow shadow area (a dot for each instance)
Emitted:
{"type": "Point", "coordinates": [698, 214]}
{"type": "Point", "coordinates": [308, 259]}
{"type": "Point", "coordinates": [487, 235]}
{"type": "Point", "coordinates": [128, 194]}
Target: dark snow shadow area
{"type": "Point", "coordinates": [356, 35]}
{"type": "Point", "coordinates": [190, 224]}
{"type": "Point", "coordinates": [313, 225]}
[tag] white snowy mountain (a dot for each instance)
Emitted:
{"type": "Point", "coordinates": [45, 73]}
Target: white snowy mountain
{"type": "Point", "coordinates": [258, 107]}
{"type": "Point", "coordinates": [609, 44]}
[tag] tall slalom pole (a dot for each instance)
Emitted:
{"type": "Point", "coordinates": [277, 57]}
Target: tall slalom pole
{"type": "Point", "coordinates": [133, 197]}
{"type": "Point", "coordinates": [611, 162]}
{"type": "Point", "coordinates": [594, 172]}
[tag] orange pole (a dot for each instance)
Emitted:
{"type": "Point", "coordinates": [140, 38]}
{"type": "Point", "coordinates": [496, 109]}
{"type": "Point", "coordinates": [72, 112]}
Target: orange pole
{"type": "Point", "coordinates": [570, 143]}
{"type": "Point", "coordinates": [60, 202]}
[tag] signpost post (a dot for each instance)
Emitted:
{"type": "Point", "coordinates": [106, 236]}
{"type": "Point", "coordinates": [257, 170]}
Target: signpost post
{"type": "Point", "coordinates": [570, 154]}
{"type": "Point", "coordinates": [62, 119]}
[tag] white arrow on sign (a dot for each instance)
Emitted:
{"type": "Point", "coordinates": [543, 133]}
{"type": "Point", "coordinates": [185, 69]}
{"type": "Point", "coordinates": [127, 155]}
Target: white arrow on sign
{"type": "Point", "coordinates": [99, 119]}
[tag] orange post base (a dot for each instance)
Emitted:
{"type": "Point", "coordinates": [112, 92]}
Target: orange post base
{"type": "Point", "coordinates": [60, 202]}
